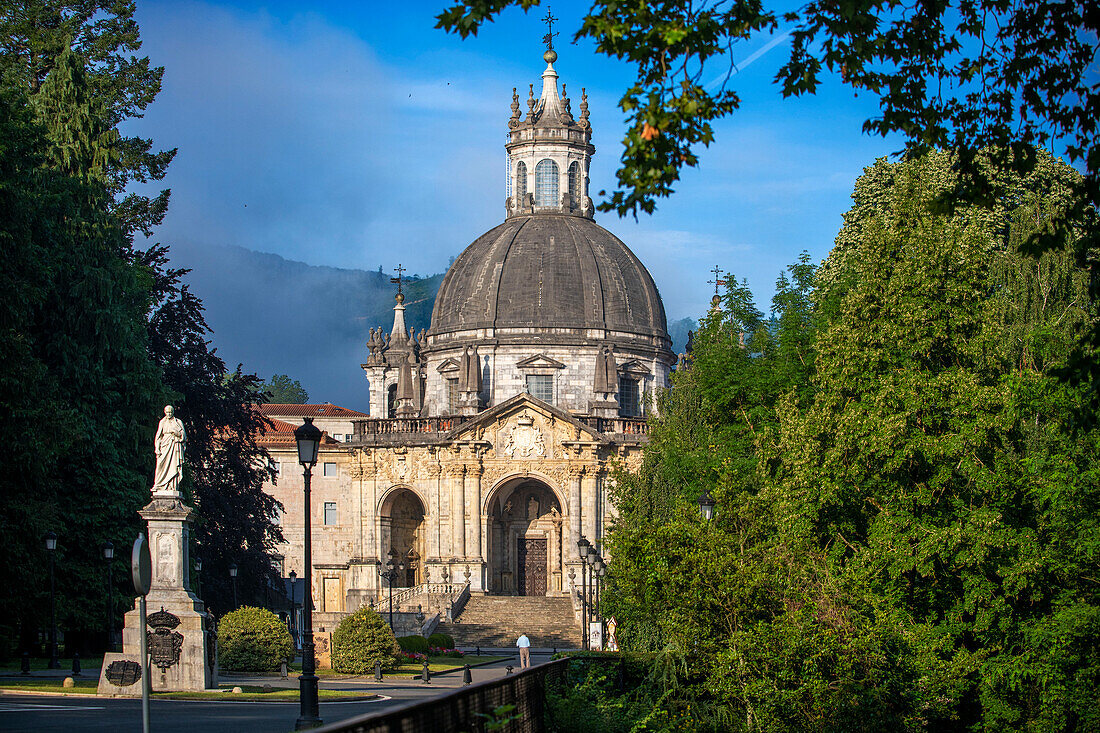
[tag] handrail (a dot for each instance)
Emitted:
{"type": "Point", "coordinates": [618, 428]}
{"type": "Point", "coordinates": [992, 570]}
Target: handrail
{"type": "Point", "coordinates": [459, 603]}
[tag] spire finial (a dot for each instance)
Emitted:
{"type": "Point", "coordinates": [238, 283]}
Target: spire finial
{"type": "Point", "coordinates": [400, 297]}
{"type": "Point", "coordinates": [718, 273]}
{"type": "Point", "coordinates": [551, 55]}
{"type": "Point", "coordinates": [514, 120]}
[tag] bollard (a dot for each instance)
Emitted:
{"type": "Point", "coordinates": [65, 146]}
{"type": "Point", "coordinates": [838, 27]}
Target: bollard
{"type": "Point", "coordinates": [509, 668]}
{"type": "Point", "coordinates": [467, 678]}
{"type": "Point", "coordinates": [377, 671]}
{"type": "Point", "coordinates": [479, 650]}
{"type": "Point", "coordinates": [282, 670]}
{"type": "Point", "coordinates": [555, 650]}
{"type": "Point", "coordinates": [25, 664]}
{"type": "Point", "coordinates": [426, 675]}
{"type": "Point", "coordinates": [76, 664]}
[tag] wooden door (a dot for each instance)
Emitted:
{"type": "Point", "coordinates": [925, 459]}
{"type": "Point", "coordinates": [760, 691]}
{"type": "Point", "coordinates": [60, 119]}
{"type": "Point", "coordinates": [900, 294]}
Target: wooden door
{"type": "Point", "coordinates": [333, 598]}
{"type": "Point", "coordinates": [531, 554]}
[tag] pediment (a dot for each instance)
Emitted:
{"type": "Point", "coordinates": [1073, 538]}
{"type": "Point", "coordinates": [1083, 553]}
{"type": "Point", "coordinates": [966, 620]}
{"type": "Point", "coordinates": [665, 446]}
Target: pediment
{"type": "Point", "coordinates": [448, 365]}
{"type": "Point", "coordinates": [524, 411]}
{"type": "Point", "coordinates": [634, 367]}
{"type": "Point", "coordinates": [539, 361]}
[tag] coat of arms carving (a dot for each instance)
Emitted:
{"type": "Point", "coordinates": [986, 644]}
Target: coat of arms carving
{"type": "Point", "coordinates": [165, 644]}
{"type": "Point", "coordinates": [525, 440]}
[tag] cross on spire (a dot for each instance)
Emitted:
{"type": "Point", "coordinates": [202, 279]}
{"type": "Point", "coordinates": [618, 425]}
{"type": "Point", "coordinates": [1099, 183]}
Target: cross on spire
{"type": "Point", "coordinates": [717, 278]}
{"type": "Point", "coordinates": [398, 280]}
{"type": "Point", "coordinates": [548, 39]}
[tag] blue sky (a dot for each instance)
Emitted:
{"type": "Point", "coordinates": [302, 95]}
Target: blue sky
{"type": "Point", "coordinates": [356, 135]}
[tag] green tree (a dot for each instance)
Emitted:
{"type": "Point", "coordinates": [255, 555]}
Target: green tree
{"type": "Point", "coordinates": [77, 385]}
{"type": "Point", "coordinates": [104, 35]}
{"type": "Point", "coordinates": [253, 640]}
{"type": "Point", "coordinates": [282, 390]}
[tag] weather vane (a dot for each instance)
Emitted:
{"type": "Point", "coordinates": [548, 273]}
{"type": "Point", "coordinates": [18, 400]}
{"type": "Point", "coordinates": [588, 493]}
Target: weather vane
{"type": "Point", "coordinates": [548, 39]}
{"type": "Point", "coordinates": [398, 280]}
{"type": "Point", "coordinates": [717, 278]}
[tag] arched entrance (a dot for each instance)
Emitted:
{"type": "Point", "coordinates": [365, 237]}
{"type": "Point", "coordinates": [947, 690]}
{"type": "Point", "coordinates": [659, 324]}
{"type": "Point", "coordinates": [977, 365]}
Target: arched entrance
{"type": "Point", "coordinates": [404, 534]}
{"type": "Point", "coordinates": [524, 539]}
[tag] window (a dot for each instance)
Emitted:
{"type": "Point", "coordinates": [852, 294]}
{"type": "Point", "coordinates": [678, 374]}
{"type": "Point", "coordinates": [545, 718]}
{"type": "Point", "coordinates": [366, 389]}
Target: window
{"type": "Point", "coordinates": [521, 181]}
{"type": "Point", "coordinates": [546, 183]}
{"type": "Point", "coordinates": [541, 386]}
{"type": "Point", "coordinates": [508, 175]}
{"type": "Point", "coordinates": [277, 516]}
{"type": "Point", "coordinates": [452, 394]}
{"type": "Point", "coordinates": [391, 401]}
{"type": "Point", "coordinates": [277, 468]}
{"type": "Point", "coordinates": [574, 183]}
{"type": "Point", "coordinates": [330, 513]}
{"type": "Point", "coordinates": [629, 402]}
{"type": "Point", "coordinates": [330, 469]}
{"type": "Point", "coordinates": [348, 437]}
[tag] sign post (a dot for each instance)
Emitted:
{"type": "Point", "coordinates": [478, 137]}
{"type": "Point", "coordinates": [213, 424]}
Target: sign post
{"type": "Point", "coordinates": [141, 569]}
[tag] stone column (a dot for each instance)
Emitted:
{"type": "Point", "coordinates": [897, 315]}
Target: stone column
{"type": "Point", "coordinates": [434, 512]}
{"type": "Point", "coordinates": [576, 475]}
{"type": "Point", "coordinates": [456, 473]}
{"type": "Point", "coordinates": [589, 501]}
{"type": "Point", "coordinates": [473, 523]}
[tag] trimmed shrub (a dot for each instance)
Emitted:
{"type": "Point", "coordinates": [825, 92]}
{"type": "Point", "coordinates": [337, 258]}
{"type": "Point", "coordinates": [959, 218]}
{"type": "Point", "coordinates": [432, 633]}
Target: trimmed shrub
{"type": "Point", "coordinates": [443, 641]}
{"type": "Point", "coordinates": [252, 640]}
{"type": "Point", "coordinates": [417, 644]}
{"type": "Point", "coordinates": [360, 640]}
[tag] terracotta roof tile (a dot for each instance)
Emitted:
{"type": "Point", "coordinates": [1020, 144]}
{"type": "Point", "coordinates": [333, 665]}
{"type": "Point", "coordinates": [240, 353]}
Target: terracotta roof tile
{"type": "Point", "coordinates": [323, 409]}
{"type": "Point", "coordinates": [281, 434]}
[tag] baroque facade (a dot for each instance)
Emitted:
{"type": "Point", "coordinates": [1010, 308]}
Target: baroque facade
{"type": "Point", "coordinates": [491, 435]}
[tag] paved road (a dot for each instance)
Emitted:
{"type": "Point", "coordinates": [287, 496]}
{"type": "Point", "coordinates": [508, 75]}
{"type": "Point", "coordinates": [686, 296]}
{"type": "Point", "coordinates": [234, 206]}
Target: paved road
{"type": "Point", "coordinates": [42, 713]}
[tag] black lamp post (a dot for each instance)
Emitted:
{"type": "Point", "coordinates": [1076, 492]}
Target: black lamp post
{"type": "Point", "coordinates": [389, 575]}
{"type": "Point", "coordinates": [233, 578]}
{"type": "Point", "coordinates": [198, 575]}
{"type": "Point", "coordinates": [294, 606]}
{"type": "Point", "coordinates": [51, 548]}
{"type": "Point", "coordinates": [583, 548]}
{"type": "Point", "coordinates": [308, 437]}
{"type": "Point", "coordinates": [109, 556]}
{"type": "Point", "coordinates": [706, 505]}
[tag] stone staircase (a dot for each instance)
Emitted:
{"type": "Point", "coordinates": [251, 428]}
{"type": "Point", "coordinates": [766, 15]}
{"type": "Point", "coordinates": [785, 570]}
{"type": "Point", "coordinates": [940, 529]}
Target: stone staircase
{"type": "Point", "coordinates": [497, 621]}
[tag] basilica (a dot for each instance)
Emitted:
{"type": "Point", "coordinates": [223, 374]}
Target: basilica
{"type": "Point", "coordinates": [491, 436]}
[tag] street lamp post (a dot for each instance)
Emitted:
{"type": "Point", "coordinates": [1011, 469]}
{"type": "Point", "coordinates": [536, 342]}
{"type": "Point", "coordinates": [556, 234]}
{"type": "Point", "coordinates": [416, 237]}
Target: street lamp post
{"type": "Point", "coordinates": [198, 575]}
{"type": "Point", "coordinates": [389, 575]}
{"type": "Point", "coordinates": [51, 548]}
{"type": "Point", "coordinates": [109, 556]}
{"type": "Point", "coordinates": [294, 607]}
{"type": "Point", "coordinates": [583, 548]}
{"type": "Point", "coordinates": [308, 438]}
{"type": "Point", "coordinates": [233, 578]}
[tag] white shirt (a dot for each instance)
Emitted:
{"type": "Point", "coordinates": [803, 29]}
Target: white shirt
{"type": "Point", "coordinates": [523, 641]}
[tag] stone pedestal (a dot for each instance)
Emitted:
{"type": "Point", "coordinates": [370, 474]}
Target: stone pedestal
{"type": "Point", "coordinates": [181, 636]}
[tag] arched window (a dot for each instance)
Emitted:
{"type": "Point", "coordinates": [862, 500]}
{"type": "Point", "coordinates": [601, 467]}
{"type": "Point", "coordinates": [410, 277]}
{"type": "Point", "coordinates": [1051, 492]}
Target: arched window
{"type": "Point", "coordinates": [521, 181]}
{"type": "Point", "coordinates": [574, 183]}
{"type": "Point", "coordinates": [391, 401]}
{"type": "Point", "coordinates": [546, 183]}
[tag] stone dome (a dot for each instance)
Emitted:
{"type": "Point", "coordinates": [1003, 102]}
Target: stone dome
{"type": "Point", "coordinates": [557, 275]}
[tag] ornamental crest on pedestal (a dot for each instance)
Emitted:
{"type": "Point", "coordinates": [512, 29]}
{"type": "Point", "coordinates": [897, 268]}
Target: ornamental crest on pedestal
{"type": "Point", "coordinates": [525, 440]}
{"type": "Point", "coordinates": [165, 644]}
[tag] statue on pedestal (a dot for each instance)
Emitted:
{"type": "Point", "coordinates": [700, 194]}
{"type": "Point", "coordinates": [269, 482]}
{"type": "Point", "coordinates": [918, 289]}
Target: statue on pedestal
{"type": "Point", "coordinates": [168, 445]}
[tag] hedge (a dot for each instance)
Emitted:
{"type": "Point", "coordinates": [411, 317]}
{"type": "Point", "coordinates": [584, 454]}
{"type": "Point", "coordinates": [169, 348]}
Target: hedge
{"type": "Point", "coordinates": [361, 640]}
{"type": "Point", "coordinates": [253, 640]}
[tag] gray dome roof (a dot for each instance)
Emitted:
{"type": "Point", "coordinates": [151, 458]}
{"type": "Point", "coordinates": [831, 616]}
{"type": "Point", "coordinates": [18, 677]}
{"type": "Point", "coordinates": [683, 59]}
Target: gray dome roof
{"type": "Point", "coordinates": [552, 271]}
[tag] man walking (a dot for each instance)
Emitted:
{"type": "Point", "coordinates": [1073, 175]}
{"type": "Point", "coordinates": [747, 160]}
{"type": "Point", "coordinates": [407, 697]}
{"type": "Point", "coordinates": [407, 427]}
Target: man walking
{"type": "Point", "coordinates": [524, 645]}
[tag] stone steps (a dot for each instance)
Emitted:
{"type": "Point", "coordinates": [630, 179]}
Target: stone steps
{"type": "Point", "coordinates": [497, 621]}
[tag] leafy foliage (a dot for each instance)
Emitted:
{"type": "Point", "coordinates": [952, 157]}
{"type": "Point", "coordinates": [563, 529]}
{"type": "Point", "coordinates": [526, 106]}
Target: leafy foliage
{"type": "Point", "coordinates": [252, 640]}
{"type": "Point", "coordinates": [415, 643]}
{"type": "Point", "coordinates": [362, 639]}
{"type": "Point", "coordinates": [282, 390]}
{"type": "Point", "coordinates": [906, 522]}
{"type": "Point", "coordinates": [440, 640]}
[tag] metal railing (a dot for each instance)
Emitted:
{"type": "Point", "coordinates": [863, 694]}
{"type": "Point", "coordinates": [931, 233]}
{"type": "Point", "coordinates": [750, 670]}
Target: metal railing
{"type": "Point", "coordinates": [468, 708]}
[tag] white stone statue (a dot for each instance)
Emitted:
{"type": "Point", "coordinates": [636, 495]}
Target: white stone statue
{"type": "Point", "coordinates": [168, 444]}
